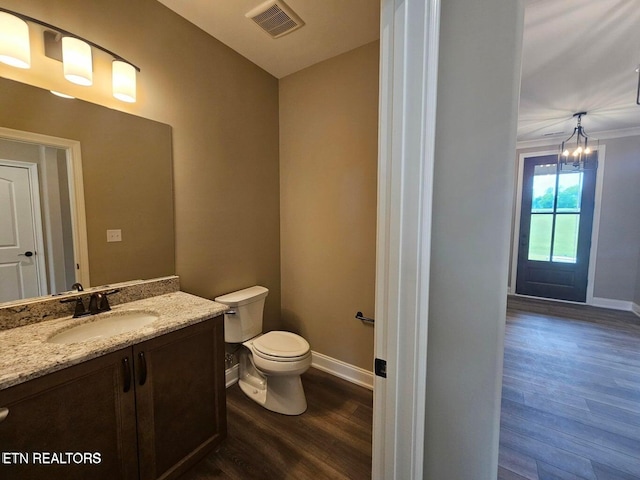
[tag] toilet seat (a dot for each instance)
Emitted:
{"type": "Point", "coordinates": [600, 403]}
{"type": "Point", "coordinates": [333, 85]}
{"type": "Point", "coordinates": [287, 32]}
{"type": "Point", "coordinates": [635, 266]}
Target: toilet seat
{"type": "Point", "coordinates": [281, 346]}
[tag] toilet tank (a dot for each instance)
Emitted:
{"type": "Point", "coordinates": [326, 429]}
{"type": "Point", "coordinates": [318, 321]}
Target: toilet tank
{"type": "Point", "coordinates": [244, 319]}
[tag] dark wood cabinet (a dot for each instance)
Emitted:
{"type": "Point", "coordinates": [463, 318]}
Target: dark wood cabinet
{"type": "Point", "coordinates": [181, 402]}
{"type": "Point", "coordinates": [148, 411]}
{"type": "Point", "coordinates": [82, 409]}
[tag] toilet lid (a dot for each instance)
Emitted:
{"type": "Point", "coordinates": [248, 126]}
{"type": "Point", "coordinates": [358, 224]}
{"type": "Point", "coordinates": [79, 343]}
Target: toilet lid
{"type": "Point", "coordinates": [281, 344]}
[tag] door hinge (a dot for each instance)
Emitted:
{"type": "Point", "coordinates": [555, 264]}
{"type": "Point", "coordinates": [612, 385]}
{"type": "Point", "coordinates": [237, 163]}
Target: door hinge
{"type": "Point", "coordinates": [380, 367]}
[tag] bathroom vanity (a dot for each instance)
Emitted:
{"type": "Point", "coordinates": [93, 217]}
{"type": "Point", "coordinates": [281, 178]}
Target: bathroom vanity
{"type": "Point", "coordinates": [145, 404]}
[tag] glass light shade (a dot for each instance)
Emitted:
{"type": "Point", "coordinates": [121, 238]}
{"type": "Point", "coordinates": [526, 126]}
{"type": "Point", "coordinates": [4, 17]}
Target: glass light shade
{"type": "Point", "coordinates": [15, 49]}
{"type": "Point", "coordinates": [60, 94]}
{"type": "Point", "coordinates": [76, 61]}
{"type": "Point", "coordinates": [124, 81]}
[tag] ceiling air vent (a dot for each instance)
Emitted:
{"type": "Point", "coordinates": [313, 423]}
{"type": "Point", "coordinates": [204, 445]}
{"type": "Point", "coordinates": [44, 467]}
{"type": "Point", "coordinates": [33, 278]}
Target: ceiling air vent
{"type": "Point", "coordinates": [276, 18]}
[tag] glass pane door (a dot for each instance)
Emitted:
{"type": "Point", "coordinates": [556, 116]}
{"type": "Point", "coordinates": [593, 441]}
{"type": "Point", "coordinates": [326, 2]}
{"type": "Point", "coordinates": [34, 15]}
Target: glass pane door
{"type": "Point", "coordinates": [555, 214]}
{"type": "Point", "coordinates": [555, 229]}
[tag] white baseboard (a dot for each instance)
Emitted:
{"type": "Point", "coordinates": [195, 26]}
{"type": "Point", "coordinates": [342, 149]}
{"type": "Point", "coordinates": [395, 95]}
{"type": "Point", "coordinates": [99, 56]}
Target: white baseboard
{"type": "Point", "coordinates": [612, 303]}
{"type": "Point", "coordinates": [338, 368]}
{"type": "Point", "coordinates": [231, 375]}
{"type": "Point", "coordinates": [602, 302]}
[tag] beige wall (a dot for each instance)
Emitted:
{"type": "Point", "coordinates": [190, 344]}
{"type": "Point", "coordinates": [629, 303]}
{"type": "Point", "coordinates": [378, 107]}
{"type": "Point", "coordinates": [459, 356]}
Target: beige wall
{"type": "Point", "coordinates": [224, 113]}
{"type": "Point", "coordinates": [328, 172]}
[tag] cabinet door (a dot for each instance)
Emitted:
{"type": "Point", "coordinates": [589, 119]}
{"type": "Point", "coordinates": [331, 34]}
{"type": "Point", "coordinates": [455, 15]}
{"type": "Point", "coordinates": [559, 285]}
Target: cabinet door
{"type": "Point", "coordinates": [77, 423]}
{"type": "Point", "coordinates": [180, 397]}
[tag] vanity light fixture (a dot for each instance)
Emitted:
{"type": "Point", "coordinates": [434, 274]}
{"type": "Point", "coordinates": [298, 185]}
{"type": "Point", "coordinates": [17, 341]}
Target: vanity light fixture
{"type": "Point", "coordinates": [124, 81]}
{"type": "Point", "coordinates": [15, 49]}
{"type": "Point", "coordinates": [74, 51]}
{"type": "Point", "coordinates": [62, 95]}
{"type": "Point", "coordinates": [77, 61]}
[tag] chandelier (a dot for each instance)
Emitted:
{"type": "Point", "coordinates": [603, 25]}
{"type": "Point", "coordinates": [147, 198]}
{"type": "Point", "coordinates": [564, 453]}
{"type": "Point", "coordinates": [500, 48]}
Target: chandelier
{"type": "Point", "coordinates": [576, 151]}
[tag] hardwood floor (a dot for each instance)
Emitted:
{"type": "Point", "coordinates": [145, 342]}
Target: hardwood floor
{"type": "Point", "coordinates": [570, 409]}
{"type": "Point", "coordinates": [571, 393]}
{"type": "Point", "coordinates": [331, 440]}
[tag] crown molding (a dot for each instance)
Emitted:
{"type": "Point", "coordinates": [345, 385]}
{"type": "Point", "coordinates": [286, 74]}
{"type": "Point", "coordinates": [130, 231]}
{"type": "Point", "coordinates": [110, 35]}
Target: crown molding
{"type": "Point", "coordinates": [555, 140]}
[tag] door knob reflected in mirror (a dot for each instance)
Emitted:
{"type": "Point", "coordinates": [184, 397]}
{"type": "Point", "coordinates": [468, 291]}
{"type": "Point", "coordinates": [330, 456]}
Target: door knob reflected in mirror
{"type": "Point", "coordinates": [26, 254]}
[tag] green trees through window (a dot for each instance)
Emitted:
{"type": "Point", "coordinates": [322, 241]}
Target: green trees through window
{"type": "Point", "coordinates": [568, 198]}
{"type": "Point", "coordinates": [554, 232]}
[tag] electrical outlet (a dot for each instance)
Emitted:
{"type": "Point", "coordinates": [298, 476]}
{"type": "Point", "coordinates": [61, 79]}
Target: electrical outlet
{"type": "Point", "coordinates": [114, 235]}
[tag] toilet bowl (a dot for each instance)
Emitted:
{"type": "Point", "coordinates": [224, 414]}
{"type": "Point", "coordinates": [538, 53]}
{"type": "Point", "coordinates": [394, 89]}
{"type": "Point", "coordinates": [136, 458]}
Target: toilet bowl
{"type": "Point", "coordinates": [270, 376]}
{"type": "Point", "coordinates": [270, 363]}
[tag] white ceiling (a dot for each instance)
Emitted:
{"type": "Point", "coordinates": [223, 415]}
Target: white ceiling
{"type": "Point", "coordinates": [578, 55]}
{"type": "Point", "coordinates": [331, 27]}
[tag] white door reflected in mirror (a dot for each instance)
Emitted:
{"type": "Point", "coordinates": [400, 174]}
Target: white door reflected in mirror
{"type": "Point", "coordinates": [19, 272]}
{"type": "Point", "coordinates": [42, 226]}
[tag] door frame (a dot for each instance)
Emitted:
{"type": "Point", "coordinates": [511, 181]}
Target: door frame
{"type": "Point", "coordinates": [76, 192]}
{"type": "Point", "coordinates": [36, 212]}
{"type": "Point", "coordinates": [595, 228]}
{"type": "Point", "coordinates": [409, 44]}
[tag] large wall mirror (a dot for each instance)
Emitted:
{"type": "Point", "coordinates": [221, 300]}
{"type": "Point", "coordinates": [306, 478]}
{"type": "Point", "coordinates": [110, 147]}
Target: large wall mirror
{"type": "Point", "coordinates": [126, 185]}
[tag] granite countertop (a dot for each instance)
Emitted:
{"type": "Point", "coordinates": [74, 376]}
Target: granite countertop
{"type": "Point", "coordinates": [25, 353]}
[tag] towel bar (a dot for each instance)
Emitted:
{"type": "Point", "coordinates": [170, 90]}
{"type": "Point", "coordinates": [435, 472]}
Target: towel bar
{"type": "Point", "coordinates": [364, 319]}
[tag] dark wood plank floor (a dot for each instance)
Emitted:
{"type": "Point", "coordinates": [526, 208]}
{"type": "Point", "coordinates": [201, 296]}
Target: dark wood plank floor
{"type": "Point", "coordinates": [570, 408]}
{"type": "Point", "coordinates": [571, 393]}
{"type": "Point", "coordinates": [331, 440]}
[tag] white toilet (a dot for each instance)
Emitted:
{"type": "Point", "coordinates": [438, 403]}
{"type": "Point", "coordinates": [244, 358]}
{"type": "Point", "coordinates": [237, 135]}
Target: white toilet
{"type": "Point", "coordinates": [270, 363]}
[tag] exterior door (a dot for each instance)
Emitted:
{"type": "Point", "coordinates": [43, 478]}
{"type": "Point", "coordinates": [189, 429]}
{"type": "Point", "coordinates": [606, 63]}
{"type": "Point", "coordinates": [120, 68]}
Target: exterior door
{"type": "Point", "coordinates": [555, 229]}
{"type": "Point", "coordinates": [18, 266]}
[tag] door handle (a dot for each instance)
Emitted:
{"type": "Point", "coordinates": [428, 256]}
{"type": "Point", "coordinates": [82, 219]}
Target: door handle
{"type": "Point", "coordinates": [26, 254]}
{"type": "Point", "coordinates": [127, 374]}
{"type": "Point", "coordinates": [143, 369]}
{"type": "Point", "coordinates": [3, 413]}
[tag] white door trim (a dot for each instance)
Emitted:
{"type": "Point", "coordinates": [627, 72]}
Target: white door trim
{"type": "Point", "coordinates": [595, 228]}
{"type": "Point", "coordinates": [408, 91]}
{"type": "Point", "coordinates": [76, 192]}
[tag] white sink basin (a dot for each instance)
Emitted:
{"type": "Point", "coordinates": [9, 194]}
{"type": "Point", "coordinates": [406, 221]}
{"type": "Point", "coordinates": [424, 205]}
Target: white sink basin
{"type": "Point", "coordinates": [105, 325]}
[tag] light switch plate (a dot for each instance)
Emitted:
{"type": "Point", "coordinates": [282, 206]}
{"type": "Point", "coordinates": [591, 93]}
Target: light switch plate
{"type": "Point", "coordinates": [114, 235]}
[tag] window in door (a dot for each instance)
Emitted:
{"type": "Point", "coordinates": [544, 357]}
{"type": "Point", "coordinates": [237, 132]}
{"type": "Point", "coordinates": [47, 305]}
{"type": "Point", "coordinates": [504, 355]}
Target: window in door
{"type": "Point", "coordinates": [555, 230]}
